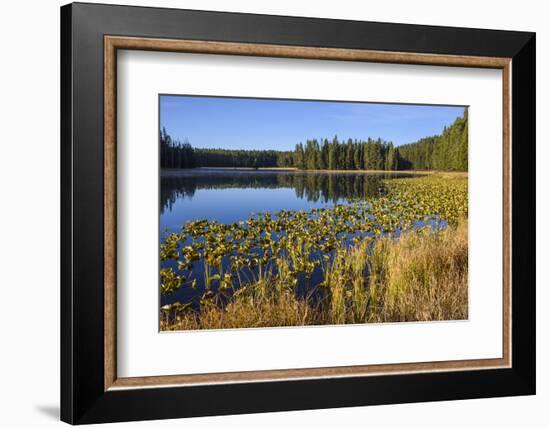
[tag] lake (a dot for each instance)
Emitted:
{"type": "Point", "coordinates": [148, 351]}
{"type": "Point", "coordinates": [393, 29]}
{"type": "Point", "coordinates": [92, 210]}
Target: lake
{"type": "Point", "coordinates": [229, 196]}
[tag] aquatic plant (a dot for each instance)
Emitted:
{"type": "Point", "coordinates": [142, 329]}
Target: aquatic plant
{"type": "Point", "coordinates": [422, 276]}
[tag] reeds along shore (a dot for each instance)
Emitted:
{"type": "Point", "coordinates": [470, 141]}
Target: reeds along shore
{"type": "Point", "coordinates": [420, 276]}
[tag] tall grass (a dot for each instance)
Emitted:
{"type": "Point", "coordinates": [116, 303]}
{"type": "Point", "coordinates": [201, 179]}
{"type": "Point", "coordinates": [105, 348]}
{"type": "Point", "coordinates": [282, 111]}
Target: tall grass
{"type": "Point", "coordinates": [419, 276]}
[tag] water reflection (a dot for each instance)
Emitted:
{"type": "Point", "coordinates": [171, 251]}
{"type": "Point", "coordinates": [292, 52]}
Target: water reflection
{"type": "Point", "coordinates": [311, 186]}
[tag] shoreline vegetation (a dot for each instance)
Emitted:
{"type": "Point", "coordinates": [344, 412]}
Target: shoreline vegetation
{"type": "Point", "coordinates": [398, 256]}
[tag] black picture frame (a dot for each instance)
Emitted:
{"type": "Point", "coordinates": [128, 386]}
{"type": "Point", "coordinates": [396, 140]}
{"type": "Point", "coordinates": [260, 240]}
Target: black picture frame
{"type": "Point", "coordinates": [83, 399]}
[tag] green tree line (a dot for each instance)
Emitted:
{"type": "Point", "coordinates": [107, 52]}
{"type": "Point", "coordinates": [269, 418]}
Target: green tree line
{"type": "Point", "coordinates": [446, 152]}
{"type": "Point", "coordinates": [237, 158]}
{"type": "Point", "coordinates": [343, 155]}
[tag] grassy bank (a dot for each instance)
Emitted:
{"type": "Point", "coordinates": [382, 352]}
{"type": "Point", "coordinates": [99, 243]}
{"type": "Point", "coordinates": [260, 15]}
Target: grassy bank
{"type": "Point", "coordinates": [421, 276]}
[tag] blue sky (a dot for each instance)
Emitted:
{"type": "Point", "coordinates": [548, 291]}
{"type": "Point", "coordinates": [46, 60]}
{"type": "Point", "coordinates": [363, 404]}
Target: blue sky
{"type": "Point", "coordinates": [247, 123]}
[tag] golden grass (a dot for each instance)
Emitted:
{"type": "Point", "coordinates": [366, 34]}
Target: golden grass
{"type": "Point", "coordinates": [420, 276]}
{"type": "Point", "coordinates": [246, 312]}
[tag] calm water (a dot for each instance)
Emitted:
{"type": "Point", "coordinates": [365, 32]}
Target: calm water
{"type": "Point", "coordinates": [229, 196]}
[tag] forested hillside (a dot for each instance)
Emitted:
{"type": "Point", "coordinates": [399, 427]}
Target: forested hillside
{"type": "Point", "coordinates": [446, 152]}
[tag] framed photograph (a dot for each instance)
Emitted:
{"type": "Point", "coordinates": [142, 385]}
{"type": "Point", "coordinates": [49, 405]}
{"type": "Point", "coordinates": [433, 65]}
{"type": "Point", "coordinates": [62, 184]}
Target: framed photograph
{"type": "Point", "coordinates": [265, 213]}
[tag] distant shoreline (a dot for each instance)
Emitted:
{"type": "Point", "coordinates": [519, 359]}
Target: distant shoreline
{"type": "Point", "coordinates": [169, 172]}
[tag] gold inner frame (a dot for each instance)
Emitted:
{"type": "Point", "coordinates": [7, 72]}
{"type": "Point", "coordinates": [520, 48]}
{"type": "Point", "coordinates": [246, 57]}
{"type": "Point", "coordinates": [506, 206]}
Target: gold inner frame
{"type": "Point", "coordinates": [113, 43]}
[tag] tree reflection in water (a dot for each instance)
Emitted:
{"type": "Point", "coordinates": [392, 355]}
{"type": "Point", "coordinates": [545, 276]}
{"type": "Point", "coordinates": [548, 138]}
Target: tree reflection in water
{"type": "Point", "coordinates": [312, 186]}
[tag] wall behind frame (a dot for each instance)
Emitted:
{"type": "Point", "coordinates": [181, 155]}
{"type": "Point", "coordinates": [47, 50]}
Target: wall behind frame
{"type": "Point", "coordinates": [29, 226]}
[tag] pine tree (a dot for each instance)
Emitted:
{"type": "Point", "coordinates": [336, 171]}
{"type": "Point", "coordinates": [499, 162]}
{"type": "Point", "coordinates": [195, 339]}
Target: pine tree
{"type": "Point", "coordinates": [324, 155]}
{"type": "Point", "coordinates": [299, 156]}
{"type": "Point", "coordinates": [333, 154]}
{"type": "Point", "coordinates": [349, 155]}
{"type": "Point", "coordinates": [357, 158]}
{"type": "Point", "coordinates": [390, 158]}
